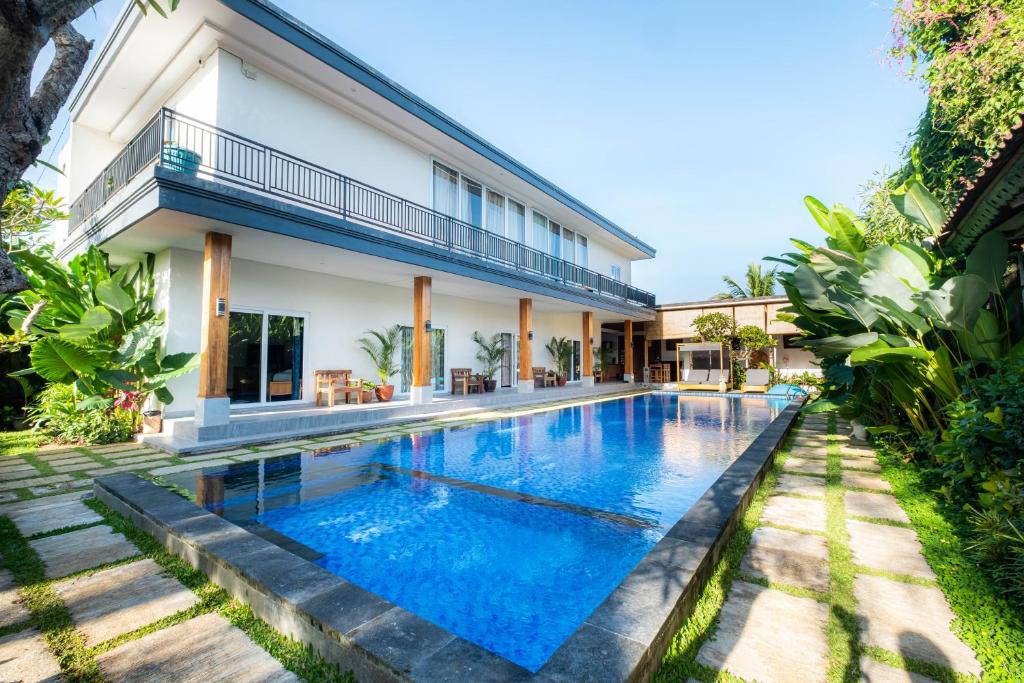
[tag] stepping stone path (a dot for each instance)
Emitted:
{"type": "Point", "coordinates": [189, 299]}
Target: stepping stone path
{"type": "Point", "coordinates": [116, 602]}
{"type": "Point", "coordinates": [775, 634]}
{"type": "Point", "coordinates": [207, 648]}
{"type": "Point", "coordinates": [121, 599]}
{"type": "Point", "coordinates": [72, 552]}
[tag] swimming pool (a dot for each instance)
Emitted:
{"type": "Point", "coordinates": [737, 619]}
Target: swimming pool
{"type": "Point", "coordinates": [508, 533]}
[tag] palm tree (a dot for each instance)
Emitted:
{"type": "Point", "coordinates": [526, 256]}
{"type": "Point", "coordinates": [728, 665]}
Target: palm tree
{"type": "Point", "coordinates": [759, 283]}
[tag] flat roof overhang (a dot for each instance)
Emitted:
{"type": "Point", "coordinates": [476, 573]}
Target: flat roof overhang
{"type": "Point", "coordinates": [162, 209]}
{"type": "Point", "coordinates": [142, 62]}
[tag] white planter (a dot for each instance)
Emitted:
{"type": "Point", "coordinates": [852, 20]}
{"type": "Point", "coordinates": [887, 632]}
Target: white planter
{"type": "Point", "coordinates": [859, 432]}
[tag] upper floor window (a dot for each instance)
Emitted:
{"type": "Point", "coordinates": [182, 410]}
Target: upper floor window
{"type": "Point", "coordinates": [582, 251]}
{"type": "Point", "coordinates": [616, 273]}
{"type": "Point", "coordinates": [539, 240]}
{"type": "Point", "coordinates": [568, 245]}
{"type": "Point", "coordinates": [472, 202]}
{"type": "Point", "coordinates": [555, 240]}
{"type": "Point", "coordinates": [516, 221]}
{"type": "Point", "coordinates": [495, 212]}
{"type": "Point", "coordinates": [446, 190]}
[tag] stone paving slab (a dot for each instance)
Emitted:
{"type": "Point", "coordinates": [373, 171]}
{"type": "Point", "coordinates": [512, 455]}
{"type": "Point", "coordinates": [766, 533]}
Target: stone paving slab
{"type": "Point", "coordinates": [865, 480]}
{"type": "Point", "coordinates": [117, 447]}
{"type": "Point", "coordinates": [787, 557]}
{"type": "Point", "coordinates": [62, 486]}
{"type": "Point", "coordinates": [187, 467]}
{"type": "Point", "coordinates": [207, 649]}
{"type": "Point", "coordinates": [121, 599]}
{"type": "Point", "coordinates": [8, 496]}
{"type": "Point", "coordinates": [36, 481]}
{"type": "Point", "coordinates": [760, 629]}
{"type": "Point", "coordinates": [99, 472]}
{"type": "Point", "coordinates": [858, 452]}
{"type": "Point", "coordinates": [218, 454]}
{"type": "Point", "coordinates": [860, 464]}
{"type": "Point", "coordinates": [41, 505]}
{"type": "Point", "coordinates": [32, 521]}
{"type": "Point", "coordinates": [911, 620]}
{"type": "Point", "coordinates": [888, 548]}
{"type": "Point", "coordinates": [72, 552]}
{"type": "Point", "coordinates": [58, 462]}
{"type": "Point", "coordinates": [795, 512]}
{"type": "Point", "coordinates": [76, 467]}
{"type": "Point", "coordinates": [876, 505]}
{"type": "Point", "coordinates": [15, 473]}
{"type": "Point", "coordinates": [53, 453]}
{"type": "Point", "coordinates": [11, 609]}
{"type": "Point", "coordinates": [802, 486]}
{"type": "Point", "coordinates": [24, 657]}
{"type": "Point", "coordinates": [808, 452]}
{"type": "Point", "coordinates": [876, 672]}
{"type": "Point", "coordinates": [805, 465]}
{"type": "Point", "coordinates": [149, 457]}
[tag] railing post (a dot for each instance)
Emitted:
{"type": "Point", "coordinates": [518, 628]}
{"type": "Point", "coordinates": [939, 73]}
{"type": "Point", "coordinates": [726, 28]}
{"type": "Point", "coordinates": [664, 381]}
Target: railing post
{"type": "Point", "coordinates": [344, 196]}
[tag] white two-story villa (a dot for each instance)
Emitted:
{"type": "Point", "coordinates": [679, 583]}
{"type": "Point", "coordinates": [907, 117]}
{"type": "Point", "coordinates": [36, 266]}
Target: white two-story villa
{"type": "Point", "coordinates": [294, 197]}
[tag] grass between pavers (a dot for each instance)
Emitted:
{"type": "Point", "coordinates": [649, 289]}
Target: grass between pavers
{"type": "Point", "coordinates": [680, 661]}
{"type": "Point", "coordinates": [294, 656]}
{"type": "Point", "coordinates": [987, 621]}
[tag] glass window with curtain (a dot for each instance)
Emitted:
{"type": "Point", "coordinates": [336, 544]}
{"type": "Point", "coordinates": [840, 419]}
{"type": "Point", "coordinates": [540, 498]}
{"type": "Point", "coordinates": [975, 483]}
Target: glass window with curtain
{"type": "Point", "coordinates": [582, 251]}
{"type": "Point", "coordinates": [516, 221]}
{"type": "Point", "coordinates": [555, 240]}
{"type": "Point", "coordinates": [568, 245]}
{"type": "Point", "coordinates": [446, 190]}
{"type": "Point", "coordinates": [495, 213]}
{"type": "Point", "coordinates": [472, 202]}
{"type": "Point", "coordinates": [540, 232]}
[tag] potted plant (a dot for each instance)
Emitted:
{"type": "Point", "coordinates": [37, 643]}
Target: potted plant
{"type": "Point", "coordinates": [602, 357]}
{"type": "Point", "coordinates": [381, 346]}
{"type": "Point", "coordinates": [369, 389]}
{"type": "Point", "coordinates": [490, 355]}
{"type": "Point", "coordinates": [561, 353]}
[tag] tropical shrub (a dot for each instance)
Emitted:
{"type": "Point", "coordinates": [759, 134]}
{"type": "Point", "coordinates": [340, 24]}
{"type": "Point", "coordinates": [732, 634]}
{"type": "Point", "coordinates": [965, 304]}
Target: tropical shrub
{"type": "Point", "coordinates": [902, 317]}
{"type": "Point", "coordinates": [560, 349]}
{"type": "Point", "coordinates": [490, 353]}
{"type": "Point", "coordinates": [381, 346]}
{"type": "Point", "coordinates": [55, 412]}
{"type": "Point", "coordinates": [93, 327]}
{"type": "Point", "coordinates": [714, 327]}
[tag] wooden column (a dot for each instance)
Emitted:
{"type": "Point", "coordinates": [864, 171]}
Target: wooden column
{"type": "Point", "coordinates": [588, 348]}
{"type": "Point", "coordinates": [627, 369]}
{"type": "Point", "coordinates": [525, 344]}
{"type": "Point", "coordinates": [213, 343]}
{"type": "Point", "coordinates": [422, 380]}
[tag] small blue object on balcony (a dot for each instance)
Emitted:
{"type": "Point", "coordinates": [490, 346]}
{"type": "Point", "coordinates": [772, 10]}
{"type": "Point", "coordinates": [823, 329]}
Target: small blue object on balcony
{"type": "Point", "coordinates": [180, 159]}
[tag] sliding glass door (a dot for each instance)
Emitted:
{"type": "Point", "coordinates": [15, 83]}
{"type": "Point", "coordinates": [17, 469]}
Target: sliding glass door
{"type": "Point", "coordinates": [265, 356]}
{"type": "Point", "coordinates": [436, 360]}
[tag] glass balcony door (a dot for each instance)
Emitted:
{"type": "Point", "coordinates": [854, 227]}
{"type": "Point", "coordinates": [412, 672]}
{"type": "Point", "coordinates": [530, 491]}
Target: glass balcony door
{"type": "Point", "coordinates": [266, 356]}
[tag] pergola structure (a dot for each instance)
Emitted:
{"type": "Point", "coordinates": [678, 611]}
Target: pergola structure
{"type": "Point", "coordinates": [699, 347]}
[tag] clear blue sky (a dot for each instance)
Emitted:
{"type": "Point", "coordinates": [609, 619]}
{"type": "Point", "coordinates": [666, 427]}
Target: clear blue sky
{"type": "Point", "coordinates": [697, 126]}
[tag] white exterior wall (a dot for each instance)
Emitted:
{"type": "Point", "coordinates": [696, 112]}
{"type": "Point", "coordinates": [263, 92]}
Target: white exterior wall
{"type": "Point", "coordinates": [280, 115]}
{"type": "Point", "coordinates": [198, 95]}
{"type": "Point", "coordinates": [339, 311]}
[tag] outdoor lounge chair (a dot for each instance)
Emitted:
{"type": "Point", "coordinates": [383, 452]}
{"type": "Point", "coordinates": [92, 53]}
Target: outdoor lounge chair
{"type": "Point", "coordinates": [696, 380]}
{"type": "Point", "coordinates": [464, 379]}
{"type": "Point", "coordinates": [329, 383]}
{"type": "Point", "coordinates": [541, 378]}
{"type": "Point", "coordinates": [757, 382]}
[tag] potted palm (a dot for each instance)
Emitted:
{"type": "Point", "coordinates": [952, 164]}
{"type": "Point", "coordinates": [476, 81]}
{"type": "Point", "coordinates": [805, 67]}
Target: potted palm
{"type": "Point", "coordinates": [490, 355]}
{"type": "Point", "coordinates": [380, 346]}
{"type": "Point", "coordinates": [561, 353]}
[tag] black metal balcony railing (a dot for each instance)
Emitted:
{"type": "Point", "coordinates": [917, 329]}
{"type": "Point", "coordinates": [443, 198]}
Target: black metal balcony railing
{"type": "Point", "coordinates": [183, 144]}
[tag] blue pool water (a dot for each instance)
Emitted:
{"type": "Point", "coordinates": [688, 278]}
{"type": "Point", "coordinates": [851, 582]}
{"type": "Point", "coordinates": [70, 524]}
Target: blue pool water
{"type": "Point", "coordinates": [508, 533]}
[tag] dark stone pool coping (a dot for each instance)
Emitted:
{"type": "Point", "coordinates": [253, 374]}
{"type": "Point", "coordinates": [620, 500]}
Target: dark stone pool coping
{"type": "Point", "coordinates": [624, 639]}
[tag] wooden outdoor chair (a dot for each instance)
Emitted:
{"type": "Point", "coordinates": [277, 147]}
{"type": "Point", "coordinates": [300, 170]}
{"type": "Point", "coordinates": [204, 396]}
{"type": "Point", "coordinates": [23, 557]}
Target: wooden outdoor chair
{"type": "Point", "coordinates": [465, 379]}
{"type": "Point", "coordinates": [541, 378]}
{"type": "Point", "coordinates": [329, 383]}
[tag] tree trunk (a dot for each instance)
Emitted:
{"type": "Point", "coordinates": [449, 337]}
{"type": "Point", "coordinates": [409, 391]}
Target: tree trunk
{"type": "Point", "coordinates": [26, 26]}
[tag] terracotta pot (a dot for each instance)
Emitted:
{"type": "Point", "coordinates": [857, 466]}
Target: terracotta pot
{"type": "Point", "coordinates": [561, 381]}
{"type": "Point", "coordinates": [152, 422]}
{"type": "Point", "coordinates": [368, 395]}
{"type": "Point", "coordinates": [384, 392]}
{"type": "Point", "coordinates": [490, 384]}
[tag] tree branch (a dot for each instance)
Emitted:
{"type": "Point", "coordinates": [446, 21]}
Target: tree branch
{"type": "Point", "coordinates": [11, 279]}
{"type": "Point", "coordinates": [72, 50]}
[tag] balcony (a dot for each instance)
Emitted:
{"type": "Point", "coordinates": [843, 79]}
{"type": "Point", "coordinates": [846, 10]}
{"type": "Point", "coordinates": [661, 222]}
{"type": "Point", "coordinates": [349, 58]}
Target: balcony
{"type": "Point", "coordinates": [181, 144]}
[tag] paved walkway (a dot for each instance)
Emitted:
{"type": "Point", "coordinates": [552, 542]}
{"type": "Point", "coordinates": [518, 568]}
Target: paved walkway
{"type": "Point", "coordinates": [116, 611]}
{"type": "Point", "coordinates": [832, 535]}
